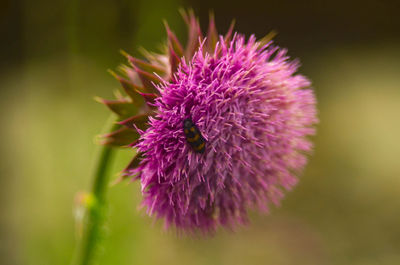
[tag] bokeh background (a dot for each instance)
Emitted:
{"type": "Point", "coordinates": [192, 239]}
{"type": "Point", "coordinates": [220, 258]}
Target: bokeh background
{"type": "Point", "coordinates": [54, 57]}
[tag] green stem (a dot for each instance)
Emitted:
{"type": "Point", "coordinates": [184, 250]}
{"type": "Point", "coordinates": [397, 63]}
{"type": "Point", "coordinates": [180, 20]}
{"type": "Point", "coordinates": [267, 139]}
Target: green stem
{"type": "Point", "coordinates": [96, 207]}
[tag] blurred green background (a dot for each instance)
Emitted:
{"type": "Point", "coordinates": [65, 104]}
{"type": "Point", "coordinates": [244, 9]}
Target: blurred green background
{"type": "Point", "coordinates": [54, 57]}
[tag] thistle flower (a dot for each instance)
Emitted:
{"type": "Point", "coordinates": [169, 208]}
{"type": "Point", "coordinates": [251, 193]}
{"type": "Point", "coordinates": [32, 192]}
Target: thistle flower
{"type": "Point", "coordinates": [248, 109]}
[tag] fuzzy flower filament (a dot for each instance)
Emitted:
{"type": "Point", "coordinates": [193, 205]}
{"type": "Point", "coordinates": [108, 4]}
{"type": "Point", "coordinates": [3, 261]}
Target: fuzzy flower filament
{"type": "Point", "coordinates": [254, 113]}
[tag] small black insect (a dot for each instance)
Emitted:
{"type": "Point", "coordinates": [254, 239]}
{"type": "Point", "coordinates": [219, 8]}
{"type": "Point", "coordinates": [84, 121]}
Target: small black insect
{"type": "Point", "coordinates": [193, 136]}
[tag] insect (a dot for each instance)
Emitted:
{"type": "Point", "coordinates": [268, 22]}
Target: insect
{"type": "Point", "coordinates": [193, 136]}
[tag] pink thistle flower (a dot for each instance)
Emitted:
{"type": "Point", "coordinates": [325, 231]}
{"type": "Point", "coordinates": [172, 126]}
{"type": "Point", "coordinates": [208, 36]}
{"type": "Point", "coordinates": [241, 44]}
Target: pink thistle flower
{"type": "Point", "coordinates": [250, 115]}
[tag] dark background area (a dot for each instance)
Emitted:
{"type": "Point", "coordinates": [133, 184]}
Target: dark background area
{"type": "Point", "coordinates": [53, 61]}
{"type": "Point", "coordinates": [47, 28]}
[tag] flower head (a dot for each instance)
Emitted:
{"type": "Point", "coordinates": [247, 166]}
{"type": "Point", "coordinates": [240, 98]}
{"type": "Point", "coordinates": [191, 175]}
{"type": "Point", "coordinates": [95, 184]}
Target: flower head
{"type": "Point", "coordinates": [250, 115]}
